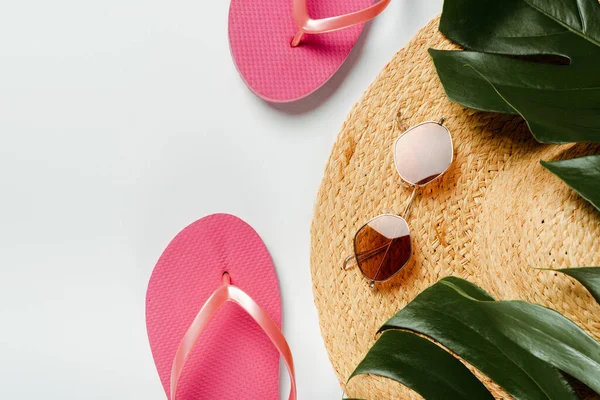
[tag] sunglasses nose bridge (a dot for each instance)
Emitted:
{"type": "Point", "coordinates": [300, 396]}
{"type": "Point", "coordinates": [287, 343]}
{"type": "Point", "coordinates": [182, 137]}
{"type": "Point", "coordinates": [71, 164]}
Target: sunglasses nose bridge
{"type": "Point", "coordinates": [410, 201]}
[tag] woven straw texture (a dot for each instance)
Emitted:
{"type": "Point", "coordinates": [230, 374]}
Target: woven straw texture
{"type": "Point", "coordinates": [495, 214]}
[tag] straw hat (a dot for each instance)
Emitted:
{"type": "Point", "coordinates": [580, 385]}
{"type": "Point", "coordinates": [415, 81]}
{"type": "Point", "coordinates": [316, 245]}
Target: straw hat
{"type": "Point", "coordinates": [495, 214]}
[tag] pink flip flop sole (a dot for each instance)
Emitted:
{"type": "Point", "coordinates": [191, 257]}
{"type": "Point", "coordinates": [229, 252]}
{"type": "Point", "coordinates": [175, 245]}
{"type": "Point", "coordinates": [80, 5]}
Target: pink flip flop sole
{"type": "Point", "coordinates": [260, 33]}
{"type": "Point", "coordinates": [233, 358]}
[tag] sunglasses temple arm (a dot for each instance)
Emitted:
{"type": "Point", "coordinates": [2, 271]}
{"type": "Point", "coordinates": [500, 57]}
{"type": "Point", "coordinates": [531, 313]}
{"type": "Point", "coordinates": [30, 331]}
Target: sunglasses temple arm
{"type": "Point", "coordinates": [412, 198]}
{"type": "Point", "coordinates": [350, 261]}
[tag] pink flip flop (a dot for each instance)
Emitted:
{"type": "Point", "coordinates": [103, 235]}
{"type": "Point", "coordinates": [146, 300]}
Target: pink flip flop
{"type": "Point", "coordinates": [276, 49]}
{"type": "Point", "coordinates": [213, 314]}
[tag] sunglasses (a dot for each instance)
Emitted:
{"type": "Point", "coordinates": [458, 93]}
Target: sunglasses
{"type": "Point", "coordinates": [383, 246]}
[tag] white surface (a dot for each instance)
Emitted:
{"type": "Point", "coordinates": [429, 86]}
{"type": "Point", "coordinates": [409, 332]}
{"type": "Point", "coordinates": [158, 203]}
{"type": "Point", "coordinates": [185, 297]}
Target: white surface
{"type": "Point", "coordinates": [121, 122]}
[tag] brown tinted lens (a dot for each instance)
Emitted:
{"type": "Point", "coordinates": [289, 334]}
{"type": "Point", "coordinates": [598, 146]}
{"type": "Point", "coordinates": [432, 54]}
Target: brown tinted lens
{"type": "Point", "coordinates": [423, 153]}
{"type": "Point", "coordinates": [382, 247]}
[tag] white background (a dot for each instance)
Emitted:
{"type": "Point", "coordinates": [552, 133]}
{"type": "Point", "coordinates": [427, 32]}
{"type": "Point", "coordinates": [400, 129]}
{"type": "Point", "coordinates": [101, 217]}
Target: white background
{"type": "Point", "coordinates": [121, 122]}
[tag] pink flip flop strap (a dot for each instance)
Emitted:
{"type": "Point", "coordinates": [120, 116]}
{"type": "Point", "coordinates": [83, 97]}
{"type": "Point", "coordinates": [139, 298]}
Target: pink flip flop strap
{"type": "Point", "coordinates": [228, 292]}
{"type": "Point", "coordinates": [309, 25]}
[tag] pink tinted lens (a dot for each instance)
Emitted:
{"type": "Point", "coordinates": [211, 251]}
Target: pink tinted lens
{"type": "Point", "coordinates": [423, 153]}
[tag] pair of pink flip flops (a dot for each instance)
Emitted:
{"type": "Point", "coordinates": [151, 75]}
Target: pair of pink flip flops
{"type": "Point", "coordinates": [280, 48]}
{"type": "Point", "coordinates": [213, 314]}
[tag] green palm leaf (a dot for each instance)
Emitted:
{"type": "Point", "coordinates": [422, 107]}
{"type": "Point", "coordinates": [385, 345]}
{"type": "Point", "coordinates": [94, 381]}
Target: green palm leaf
{"type": "Point", "coordinates": [521, 346]}
{"type": "Point", "coordinates": [450, 312]}
{"type": "Point", "coordinates": [581, 174]}
{"type": "Point", "coordinates": [423, 366]}
{"type": "Point", "coordinates": [589, 277]}
{"type": "Point", "coordinates": [535, 58]}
